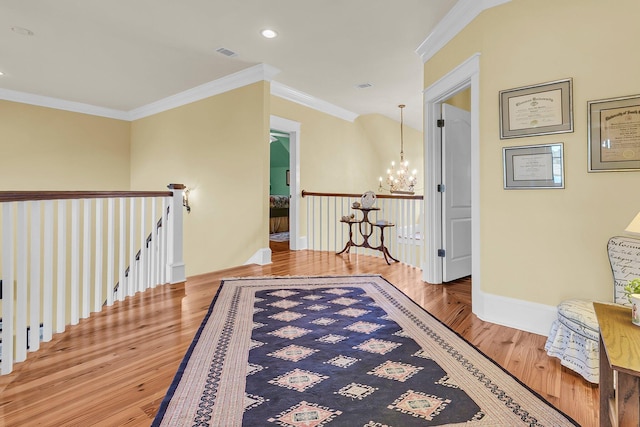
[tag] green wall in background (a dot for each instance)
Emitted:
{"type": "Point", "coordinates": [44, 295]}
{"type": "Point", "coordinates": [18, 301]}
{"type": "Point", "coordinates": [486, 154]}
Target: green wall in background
{"type": "Point", "coordinates": [279, 164]}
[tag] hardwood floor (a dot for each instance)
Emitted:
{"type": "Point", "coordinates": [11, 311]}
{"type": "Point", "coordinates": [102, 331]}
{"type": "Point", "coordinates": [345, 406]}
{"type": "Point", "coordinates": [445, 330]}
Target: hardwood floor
{"type": "Point", "coordinates": [114, 368]}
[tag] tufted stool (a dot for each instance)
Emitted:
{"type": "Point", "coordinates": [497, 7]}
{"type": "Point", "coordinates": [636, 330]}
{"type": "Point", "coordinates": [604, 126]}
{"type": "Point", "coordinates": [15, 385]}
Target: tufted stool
{"type": "Point", "coordinates": [574, 338]}
{"type": "Point", "coordinates": [574, 335]}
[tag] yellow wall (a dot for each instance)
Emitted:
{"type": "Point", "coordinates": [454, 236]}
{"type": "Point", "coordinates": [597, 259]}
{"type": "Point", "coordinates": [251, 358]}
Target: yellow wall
{"type": "Point", "coordinates": [47, 149]}
{"type": "Point", "coordinates": [339, 156]}
{"type": "Point", "coordinates": [218, 147]}
{"type": "Point", "coordinates": [547, 245]}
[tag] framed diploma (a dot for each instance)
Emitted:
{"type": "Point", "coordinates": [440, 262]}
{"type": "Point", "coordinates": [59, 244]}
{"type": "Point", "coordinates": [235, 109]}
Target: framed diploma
{"type": "Point", "coordinates": [614, 134]}
{"type": "Point", "coordinates": [540, 109]}
{"type": "Point", "coordinates": [533, 166]}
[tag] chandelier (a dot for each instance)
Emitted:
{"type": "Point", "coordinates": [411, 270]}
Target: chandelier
{"type": "Point", "coordinates": [399, 180]}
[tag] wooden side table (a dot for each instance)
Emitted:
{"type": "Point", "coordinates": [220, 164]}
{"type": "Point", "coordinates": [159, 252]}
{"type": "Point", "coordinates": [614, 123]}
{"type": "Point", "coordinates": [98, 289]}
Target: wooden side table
{"type": "Point", "coordinates": [619, 357]}
{"type": "Point", "coordinates": [365, 228]}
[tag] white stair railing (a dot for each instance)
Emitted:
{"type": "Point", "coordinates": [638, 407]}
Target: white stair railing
{"type": "Point", "coordinates": [404, 240]}
{"type": "Point", "coordinates": [67, 254]}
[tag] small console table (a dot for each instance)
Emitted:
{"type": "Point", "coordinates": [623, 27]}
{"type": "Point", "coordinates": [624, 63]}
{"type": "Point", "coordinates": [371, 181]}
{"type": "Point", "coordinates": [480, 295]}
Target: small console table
{"type": "Point", "coordinates": [365, 228]}
{"type": "Point", "coordinates": [619, 356]}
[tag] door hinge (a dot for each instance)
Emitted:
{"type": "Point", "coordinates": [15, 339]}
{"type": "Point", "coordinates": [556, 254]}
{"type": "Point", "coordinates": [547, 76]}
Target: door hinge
{"type": "Point", "coordinates": [441, 253]}
{"type": "Point", "coordinates": [440, 123]}
{"type": "Point", "coordinates": [440, 188]}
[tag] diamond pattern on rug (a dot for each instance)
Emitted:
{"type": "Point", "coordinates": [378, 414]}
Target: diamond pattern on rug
{"type": "Point", "coordinates": [323, 321]}
{"type": "Point", "coordinates": [356, 391]}
{"type": "Point", "coordinates": [293, 353]}
{"type": "Point", "coordinates": [342, 361]}
{"type": "Point", "coordinates": [446, 381]}
{"type": "Point", "coordinates": [285, 303]}
{"type": "Point", "coordinates": [337, 291]}
{"type": "Point", "coordinates": [318, 307]}
{"type": "Point", "coordinates": [364, 327]}
{"type": "Point", "coordinates": [290, 332]}
{"type": "Point", "coordinates": [305, 415]}
{"type": "Point", "coordinates": [374, 424]}
{"type": "Point", "coordinates": [283, 293]}
{"type": "Point", "coordinates": [257, 325]}
{"type": "Point", "coordinates": [422, 354]}
{"type": "Point", "coordinates": [419, 405]}
{"type": "Point", "coordinates": [287, 316]}
{"type": "Point", "coordinates": [401, 333]}
{"type": "Point", "coordinates": [255, 344]}
{"type": "Point", "coordinates": [298, 380]}
{"type": "Point", "coordinates": [377, 346]}
{"type": "Point", "coordinates": [332, 338]}
{"type": "Point", "coordinates": [353, 312]}
{"type": "Point", "coordinates": [252, 368]}
{"type": "Point", "coordinates": [252, 401]}
{"type": "Point", "coordinates": [313, 297]}
{"type": "Point", "coordinates": [345, 301]}
{"type": "Point", "coordinates": [395, 371]}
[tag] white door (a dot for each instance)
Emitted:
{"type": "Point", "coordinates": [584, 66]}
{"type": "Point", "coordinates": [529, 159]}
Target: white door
{"type": "Point", "coordinates": [456, 197]}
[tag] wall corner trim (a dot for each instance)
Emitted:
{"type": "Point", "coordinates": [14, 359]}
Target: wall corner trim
{"type": "Point", "coordinates": [460, 15]}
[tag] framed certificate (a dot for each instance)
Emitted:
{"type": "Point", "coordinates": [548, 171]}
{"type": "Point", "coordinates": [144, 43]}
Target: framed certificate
{"type": "Point", "coordinates": [540, 109]}
{"type": "Point", "coordinates": [614, 134]}
{"type": "Point", "coordinates": [533, 166]}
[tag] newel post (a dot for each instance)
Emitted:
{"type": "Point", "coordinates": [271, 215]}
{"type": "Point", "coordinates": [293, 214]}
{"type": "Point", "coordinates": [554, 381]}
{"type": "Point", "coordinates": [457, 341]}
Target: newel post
{"type": "Point", "coordinates": [175, 233]}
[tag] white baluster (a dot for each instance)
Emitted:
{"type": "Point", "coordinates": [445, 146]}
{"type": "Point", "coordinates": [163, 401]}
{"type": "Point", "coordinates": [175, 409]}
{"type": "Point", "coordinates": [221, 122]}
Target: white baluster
{"type": "Point", "coordinates": [132, 284]}
{"type": "Point", "coordinates": [21, 276]}
{"type": "Point", "coordinates": [47, 288]}
{"type": "Point", "coordinates": [142, 261]}
{"type": "Point", "coordinates": [75, 261]}
{"type": "Point", "coordinates": [98, 300]}
{"type": "Point", "coordinates": [34, 279]}
{"type": "Point", "coordinates": [8, 307]}
{"type": "Point", "coordinates": [153, 245]}
{"type": "Point", "coordinates": [110, 250]}
{"type": "Point", "coordinates": [122, 250]}
{"type": "Point", "coordinates": [61, 281]}
{"type": "Point", "coordinates": [86, 260]}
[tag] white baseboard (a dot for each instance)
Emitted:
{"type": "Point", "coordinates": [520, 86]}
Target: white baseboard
{"type": "Point", "coordinates": [514, 313]}
{"type": "Point", "coordinates": [261, 257]}
{"type": "Point", "coordinates": [302, 243]}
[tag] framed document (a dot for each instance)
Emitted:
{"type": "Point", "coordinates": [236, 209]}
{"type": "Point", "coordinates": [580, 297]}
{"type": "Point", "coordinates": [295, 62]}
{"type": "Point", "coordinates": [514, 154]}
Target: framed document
{"type": "Point", "coordinates": [614, 134]}
{"type": "Point", "coordinates": [540, 109]}
{"type": "Point", "coordinates": [533, 166]}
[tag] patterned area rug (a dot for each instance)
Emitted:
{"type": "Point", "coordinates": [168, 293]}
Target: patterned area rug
{"type": "Point", "coordinates": [338, 351]}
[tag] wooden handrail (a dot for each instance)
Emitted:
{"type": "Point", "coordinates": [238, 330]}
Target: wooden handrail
{"type": "Point", "coordinates": [21, 196]}
{"type": "Point", "coordinates": [379, 196]}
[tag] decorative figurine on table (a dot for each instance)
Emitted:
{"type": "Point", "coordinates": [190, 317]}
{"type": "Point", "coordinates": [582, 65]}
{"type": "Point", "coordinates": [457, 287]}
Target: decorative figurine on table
{"type": "Point", "coordinates": [368, 199]}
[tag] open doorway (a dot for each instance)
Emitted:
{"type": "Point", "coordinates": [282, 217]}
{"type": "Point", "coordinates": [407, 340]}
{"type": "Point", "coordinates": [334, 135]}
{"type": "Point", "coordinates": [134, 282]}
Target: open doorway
{"type": "Point", "coordinates": [464, 76]}
{"type": "Point", "coordinates": [279, 193]}
{"type": "Point", "coordinates": [292, 129]}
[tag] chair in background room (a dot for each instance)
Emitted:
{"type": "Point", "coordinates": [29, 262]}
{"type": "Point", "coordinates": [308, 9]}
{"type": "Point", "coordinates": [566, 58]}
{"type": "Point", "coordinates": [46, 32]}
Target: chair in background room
{"type": "Point", "coordinates": [574, 335]}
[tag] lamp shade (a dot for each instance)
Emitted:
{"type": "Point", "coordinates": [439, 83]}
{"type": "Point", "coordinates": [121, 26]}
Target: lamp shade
{"type": "Point", "coordinates": [634, 226]}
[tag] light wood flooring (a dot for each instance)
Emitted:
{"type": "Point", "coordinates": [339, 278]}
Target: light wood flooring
{"type": "Point", "coordinates": [114, 368]}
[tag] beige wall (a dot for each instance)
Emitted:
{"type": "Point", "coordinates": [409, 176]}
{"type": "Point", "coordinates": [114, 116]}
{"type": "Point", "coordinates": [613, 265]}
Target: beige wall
{"type": "Point", "coordinates": [547, 245]}
{"type": "Point", "coordinates": [47, 149]}
{"type": "Point", "coordinates": [218, 147]}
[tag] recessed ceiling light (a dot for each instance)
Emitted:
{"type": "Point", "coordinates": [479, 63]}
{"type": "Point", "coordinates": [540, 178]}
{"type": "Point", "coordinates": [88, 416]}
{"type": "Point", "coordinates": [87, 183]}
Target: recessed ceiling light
{"type": "Point", "coordinates": [269, 34]}
{"type": "Point", "coordinates": [22, 31]}
{"type": "Point", "coordinates": [1, 73]}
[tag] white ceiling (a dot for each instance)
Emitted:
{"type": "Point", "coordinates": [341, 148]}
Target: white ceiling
{"type": "Point", "coordinates": [124, 54]}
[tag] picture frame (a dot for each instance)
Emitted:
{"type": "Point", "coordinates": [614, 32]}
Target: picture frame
{"type": "Point", "coordinates": [533, 166]}
{"type": "Point", "coordinates": [541, 109]}
{"type": "Point", "coordinates": [288, 177]}
{"type": "Point", "coordinates": [614, 134]}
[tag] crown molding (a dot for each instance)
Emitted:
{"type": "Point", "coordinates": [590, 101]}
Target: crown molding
{"type": "Point", "coordinates": [462, 13]}
{"type": "Point", "coordinates": [61, 104]}
{"type": "Point", "coordinates": [293, 95]}
{"type": "Point", "coordinates": [236, 80]}
{"type": "Point", "coordinates": [241, 78]}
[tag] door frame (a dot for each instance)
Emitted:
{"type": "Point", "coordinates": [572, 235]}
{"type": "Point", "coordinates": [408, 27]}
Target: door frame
{"type": "Point", "coordinates": [293, 128]}
{"type": "Point", "coordinates": [465, 75]}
